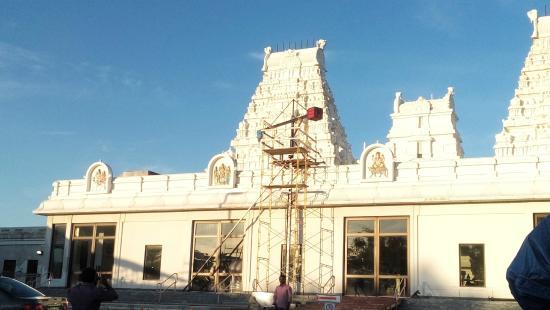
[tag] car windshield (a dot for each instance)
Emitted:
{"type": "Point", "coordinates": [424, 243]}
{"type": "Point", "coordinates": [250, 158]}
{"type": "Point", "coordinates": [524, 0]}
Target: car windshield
{"type": "Point", "coordinates": [18, 289]}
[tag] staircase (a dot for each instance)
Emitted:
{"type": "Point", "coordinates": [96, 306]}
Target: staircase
{"type": "Point", "coordinates": [148, 299]}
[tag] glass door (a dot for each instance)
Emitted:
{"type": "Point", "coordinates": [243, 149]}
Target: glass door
{"type": "Point", "coordinates": [376, 255]}
{"type": "Point", "coordinates": [93, 246]}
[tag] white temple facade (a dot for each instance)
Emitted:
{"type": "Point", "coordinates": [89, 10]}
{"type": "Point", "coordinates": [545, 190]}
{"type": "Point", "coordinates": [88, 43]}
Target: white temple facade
{"type": "Point", "coordinates": [410, 213]}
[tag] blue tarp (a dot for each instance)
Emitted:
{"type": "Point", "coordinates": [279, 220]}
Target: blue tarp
{"type": "Point", "coordinates": [529, 272]}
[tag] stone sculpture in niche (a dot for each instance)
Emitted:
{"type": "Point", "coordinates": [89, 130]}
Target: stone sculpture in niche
{"type": "Point", "coordinates": [99, 178]}
{"type": "Point", "coordinates": [222, 171]}
{"type": "Point", "coordinates": [378, 167]}
{"type": "Point", "coordinates": [222, 175]}
{"type": "Point", "coordinates": [377, 163]}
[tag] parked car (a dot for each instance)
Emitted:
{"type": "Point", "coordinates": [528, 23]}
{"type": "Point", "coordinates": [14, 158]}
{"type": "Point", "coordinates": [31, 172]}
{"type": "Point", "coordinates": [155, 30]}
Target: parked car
{"type": "Point", "coordinates": [18, 295]}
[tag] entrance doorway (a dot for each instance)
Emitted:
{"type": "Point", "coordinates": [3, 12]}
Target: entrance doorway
{"type": "Point", "coordinates": [376, 255]}
{"type": "Point", "coordinates": [93, 245]}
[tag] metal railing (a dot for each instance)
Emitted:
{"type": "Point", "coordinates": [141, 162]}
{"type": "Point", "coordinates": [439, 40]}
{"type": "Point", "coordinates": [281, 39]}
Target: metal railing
{"type": "Point", "coordinates": [400, 287]}
{"type": "Point", "coordinates": [161, 288]}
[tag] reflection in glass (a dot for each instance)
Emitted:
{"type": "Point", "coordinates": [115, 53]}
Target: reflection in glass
{"type": "Point", "coordinates": [56, 253]}
{"type": "Point", "coordinates": [472, 265]}
{"type": "Point", "coordinates": [105, 231]}
{"type": "Point", "coordinates": [360, 286]}
{"type": "Point", "coordinates": [222, 271]}
{"type": "Point", "coordinates": [238, 231]}
{"type": "Point", "coordinates": [386, 287]}
{"type": "Point", "coordinates": [151, 265]}
{"type": "Point", "coordinates": [203, 283]}
{"type": "Point", "coordinates": [83, 231]}
{"type": "Point", "coordinates": [231, 256]}
{"type": "Point", "coordinates": [360, 226]}
{"type": "Point", "coordinates": [230, 283]}
{"type": "Point", "coordinates": [360, 255]}
{"type": "Point", "coordinates": [204, 248]}
{"type": "Point", "coordinates": [104, 255]}
{"type": "Point", "coordinates": [206, 229]}
{"type": "Point", "coordinates": [82, 254]}
{"type": "Point", "coordinates": [393, 226]}
{"type": "Point", "coordinates": [393, 255]}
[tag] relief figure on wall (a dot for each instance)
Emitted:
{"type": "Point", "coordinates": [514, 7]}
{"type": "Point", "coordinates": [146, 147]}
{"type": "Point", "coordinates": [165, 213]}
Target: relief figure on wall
{"type": "Point", "coordinates": [99, 179]}
{"type": "Point", "coordinates": [378, 167]}
{"type": "Point", "coordinates": [222, 175]}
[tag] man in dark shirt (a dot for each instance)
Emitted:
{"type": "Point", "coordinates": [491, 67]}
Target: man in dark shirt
{"type": "Point", "coordinates": [86, 295]}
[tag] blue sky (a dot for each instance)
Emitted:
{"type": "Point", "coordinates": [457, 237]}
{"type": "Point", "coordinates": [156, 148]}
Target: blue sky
{"type": "Point", "coordinates": [162, 85]}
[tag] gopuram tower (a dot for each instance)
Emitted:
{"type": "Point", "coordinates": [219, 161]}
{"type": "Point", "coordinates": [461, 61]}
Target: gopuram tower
{"type": "Point", "coordinates": [526, 131]}
{"type": "Point", "coordinates": [292, 77]}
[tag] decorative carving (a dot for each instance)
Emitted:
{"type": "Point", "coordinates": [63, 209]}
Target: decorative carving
{"type": "Point", "coordinates": [321, 43]}
{"type": "Point", "coordinates": [267, 53]}
{"type": "Point", "coordinates": [397, 102]}
{"type": "Point", "coordinates": [99, 178]}
{"type": "Point", "coordinates": [377, 163]}
{"type": "Point", "coordinates": [533, 17]}
{"type": "Point", "coordinates": [221, 170]}
{"type": "Point", "coordinates": [222, 175]}
{"type": "Point", "coordinates": [378, 167]}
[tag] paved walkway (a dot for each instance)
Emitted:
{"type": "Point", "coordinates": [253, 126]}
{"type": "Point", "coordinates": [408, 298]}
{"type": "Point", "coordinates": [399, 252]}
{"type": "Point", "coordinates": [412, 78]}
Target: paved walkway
{"type": "Point", "coordinates": [436, 303]}
{"type": "Point", "coordinates": [358, 303]}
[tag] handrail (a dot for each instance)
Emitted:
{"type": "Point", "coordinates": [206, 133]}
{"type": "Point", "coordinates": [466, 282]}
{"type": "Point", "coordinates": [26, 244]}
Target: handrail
{"type": "Point", "coordinates": [400, 287]}
{"type": "Point", "coordinates": [160, 285]}
{"type": "Point", "coordinates": [330, 281]}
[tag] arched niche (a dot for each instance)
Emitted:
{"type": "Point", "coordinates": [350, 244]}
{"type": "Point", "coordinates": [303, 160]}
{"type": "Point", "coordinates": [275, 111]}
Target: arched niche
{"type": "Point", "coordinates": [221, 171]}
{"type": "Point", "coordinates": [99, 178]}
{"type": "Point", "coordinates": [377, 163]}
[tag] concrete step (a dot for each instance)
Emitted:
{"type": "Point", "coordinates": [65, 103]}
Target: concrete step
{"type": "Point", "coordinates": [176, 299]}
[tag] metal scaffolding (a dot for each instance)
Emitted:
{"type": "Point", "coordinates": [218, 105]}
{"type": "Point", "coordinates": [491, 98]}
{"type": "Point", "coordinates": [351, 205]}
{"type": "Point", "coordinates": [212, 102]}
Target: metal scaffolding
{"type": "Point", "coordinates": [292, 237]}
{"type": "Point", "coordinates": [290, 232]}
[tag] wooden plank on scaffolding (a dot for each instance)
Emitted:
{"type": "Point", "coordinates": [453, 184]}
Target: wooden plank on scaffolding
{"type": "Point", "coordinates": [286, 150]}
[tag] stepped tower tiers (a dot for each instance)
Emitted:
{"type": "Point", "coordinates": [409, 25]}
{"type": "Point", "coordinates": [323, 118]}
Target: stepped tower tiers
{"type": "Point", "coordinates": [425, 129]}
{"type": "Point", "coordinates": [526, 131]}
{"type": "Point", "coordinates": [289, 75]}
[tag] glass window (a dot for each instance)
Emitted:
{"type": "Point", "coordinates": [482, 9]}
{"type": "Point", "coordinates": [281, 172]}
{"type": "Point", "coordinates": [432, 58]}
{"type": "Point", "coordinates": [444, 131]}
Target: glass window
{"type": "Point", "coordinates": [360, 255]}
{"type": "Point", "coordinates": [393, 226]}
{"type": "Point", "coordinates": [393, 255]}
{"type": "Point", "coordinates": [83, 231]}
{"type": "Point", "coordinates": [204, 248]}
{"type": "Point", "coordinates": [105, 231]}
{"type": "Point", "coordinates": [360, 286]}
{"type": "Point", "coordinates": [376, 255]}
{"type": "Point", "coordinates": [360, 226]}
{"type": "Point", "coordinates": [8, 270]}
{"type": "Point", "coordinates": [206, 229]}
{"type": "Point", "coordinates": [227, 227]}
{"type": "Point", "coordinates": [217, 260]}
{"type": "Point", "coordinates": [57, 249]}
{"type": "Point", "coordinates": [151, 266]}
{"type": "Point", "coordinates": [472, 265]}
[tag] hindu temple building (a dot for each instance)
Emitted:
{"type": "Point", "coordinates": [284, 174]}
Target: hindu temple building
{"type": "Point", "coordinates": [411, 214]}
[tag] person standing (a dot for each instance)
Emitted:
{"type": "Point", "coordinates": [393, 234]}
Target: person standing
{"type": "Point", "coordinates": [86, 295]}
{"type": "Point", "coordinates": [283, 295]}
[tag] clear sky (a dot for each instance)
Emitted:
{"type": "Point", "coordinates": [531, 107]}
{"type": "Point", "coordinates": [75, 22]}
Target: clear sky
{"type": "Point", "coordinates": [162, 85]}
